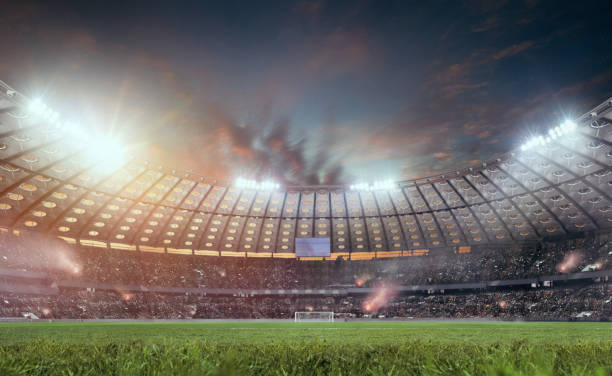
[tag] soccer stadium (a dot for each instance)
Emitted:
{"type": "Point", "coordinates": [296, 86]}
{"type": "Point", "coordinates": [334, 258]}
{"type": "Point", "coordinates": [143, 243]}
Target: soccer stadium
{"type": "Point", "coordinates": [115, 261]}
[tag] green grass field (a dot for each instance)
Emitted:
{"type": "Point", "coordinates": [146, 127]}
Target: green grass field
{"type": "Point", "coordinates": [285, 348]}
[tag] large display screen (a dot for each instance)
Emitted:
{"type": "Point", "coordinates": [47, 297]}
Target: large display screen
{"type": "Point", "coordinates": [312, 247]}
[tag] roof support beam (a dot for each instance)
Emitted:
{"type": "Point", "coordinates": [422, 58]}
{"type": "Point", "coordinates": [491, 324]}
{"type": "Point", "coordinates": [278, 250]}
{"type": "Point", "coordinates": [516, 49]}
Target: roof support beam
{"type": "Point", "coordinates": [32, 173]}
{"type": "Point", "coordinates": [19, 130]}
{"type": "Point", "coordinates": [87, 191]}
{"type": "Point", "coordinates": [246, 220]}
{"type": "Point", "coordinates": [263, 218]}
{"type": "Point", "coordinates": [139, 200]}
{"type": "Point", "coordinates": [399, 222]}
{"type": "Point", "coordinates": [163, 228]}
{"type": "Point", "coordinates": [565, 195]}
{"type": "Point", "coordinates": [176, 209]}
{"type": "Point", "coordinates": [432, 214]}
{"type": "Point", "coordinates": [491, 206]}
{"type": "Point", "coordinates": [47, 194]}
{"type": "Point", "coordinates": [230, 215]}
{"type": "Point", "coordinates": [603, 141]}
{"type": "Point", "coordinates": [348, 224]}
{"type": "Point", "coordinates": [465, 238]}
{"type": "Point", "coordinates": [384, 232]}
{"type": "Point", "coordinates": [193, 213]}
{"type": "Point", "coordinates": [297, 220]}
{"type": "Point", "coordinates": [469, 208]}
{"type": "Point", "coordinates": [212, 215]}
{"type": "Point", "coordinates": [106, 202]}
{"type": "Point", "coordinates": [582, 178]}
{"type": "Point", "coordinates": [415, 218]}
{"type": "Point", "coordinates": [517, 207]}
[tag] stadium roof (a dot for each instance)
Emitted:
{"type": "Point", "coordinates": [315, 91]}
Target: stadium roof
{"type": "Point", "coordinates": [54, 182]}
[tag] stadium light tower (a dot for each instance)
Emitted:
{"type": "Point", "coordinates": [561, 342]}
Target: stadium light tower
{"type": "Point", "coordinates": [566, 128]}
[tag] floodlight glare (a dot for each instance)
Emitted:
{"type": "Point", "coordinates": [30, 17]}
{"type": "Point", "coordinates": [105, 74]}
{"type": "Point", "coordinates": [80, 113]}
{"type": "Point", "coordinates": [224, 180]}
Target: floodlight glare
{"type": "Point", "coordinates": [37, 107]}
{"type": "Point", "coordinates": [376, 186]}
{"type": "Point", "coordinates": [266, 185]}
{"type": "Point", "coordinates": [567, 127]}
{"type": "Point", "coordinates": [75, 132]}
{"type": "Point", "coordinates": [108, 153]}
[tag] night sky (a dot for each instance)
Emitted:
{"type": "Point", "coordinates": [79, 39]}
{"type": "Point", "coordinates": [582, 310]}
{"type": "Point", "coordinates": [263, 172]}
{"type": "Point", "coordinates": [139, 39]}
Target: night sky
{"type": "Point", "coordinates": [312, 92]}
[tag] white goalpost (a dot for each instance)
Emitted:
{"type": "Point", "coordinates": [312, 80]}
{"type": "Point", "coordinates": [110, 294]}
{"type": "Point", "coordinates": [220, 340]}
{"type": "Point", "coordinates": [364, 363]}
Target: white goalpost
{"type": "Point", "coordinates": [314, 317]}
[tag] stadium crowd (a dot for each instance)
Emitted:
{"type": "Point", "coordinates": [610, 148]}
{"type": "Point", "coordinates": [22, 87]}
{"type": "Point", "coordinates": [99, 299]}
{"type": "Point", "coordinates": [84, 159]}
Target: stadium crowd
{"type": "Point", "coordinates": [103, 281]}
{"type": "Point", "coordinates": [592, 302]}
{"type": "Point", "coordinates": [64, 262]}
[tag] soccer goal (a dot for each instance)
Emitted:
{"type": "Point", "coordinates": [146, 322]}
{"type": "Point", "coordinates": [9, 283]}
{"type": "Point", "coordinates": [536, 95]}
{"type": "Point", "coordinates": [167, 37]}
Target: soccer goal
{"type": "Point", "coordinates": [314, 316]}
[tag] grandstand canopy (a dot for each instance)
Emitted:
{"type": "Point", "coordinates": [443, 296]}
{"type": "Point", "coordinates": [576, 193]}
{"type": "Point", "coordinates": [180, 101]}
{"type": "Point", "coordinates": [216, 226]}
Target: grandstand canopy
{"type": "Point", "coordinates": [80, 188]}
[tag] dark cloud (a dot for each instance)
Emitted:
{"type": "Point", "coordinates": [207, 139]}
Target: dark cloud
{"type": "Point", "coordinates": [488, 24]}
{"type": "Point", "coordinates": [312, 92]}
{"type": "Point", "coordinates": [310, 9]}
{"type": "Point", "coordinates": [515, 49]}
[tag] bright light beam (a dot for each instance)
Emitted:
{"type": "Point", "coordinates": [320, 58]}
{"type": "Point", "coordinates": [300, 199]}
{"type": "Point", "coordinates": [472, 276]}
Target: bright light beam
{"type": "Point", "coordinates": [108, 153]}
{"type": "Point", "coordinates": [381, 185]}
{"type": "Point", "coordinates": [266, 185]}
{"type": "Point", "coordinates": [567, 127]}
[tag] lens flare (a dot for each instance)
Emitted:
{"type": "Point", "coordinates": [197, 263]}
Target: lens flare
{"type": "Point", "coordinates": [569, 263]}
{"type": "Point", "coordinates": [108, 153]}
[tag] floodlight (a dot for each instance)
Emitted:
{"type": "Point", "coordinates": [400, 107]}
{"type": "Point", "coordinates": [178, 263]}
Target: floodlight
{"type": "Point", "coordinates": [267, 185]}
{"type": "Point", "coordinates": [37, 107]}
{"type": "Point", "coordinates": [75, 132]}
{"type": "Point", "coordinates": [53, 117]}
{"type": "Point", "coordinates": [567, 127]}
{"type": "Point", "coordinates": [375, 186]}
{"type": "Point", "coordinates": [108, 153]}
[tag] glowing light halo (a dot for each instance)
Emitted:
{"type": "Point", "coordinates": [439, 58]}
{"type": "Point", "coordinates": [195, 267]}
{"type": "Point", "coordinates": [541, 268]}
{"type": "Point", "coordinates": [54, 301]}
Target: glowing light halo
{"type": "Point", "coordinates": [566, 128]}
{"type": "Point", "coordinates": [266, 185]}
{"type": "Point", "coordinates": [380, 185]}
{"type": "Point", "coordinates": [109, 153]}
{"type": "Point", "coordinates": [106, 151]}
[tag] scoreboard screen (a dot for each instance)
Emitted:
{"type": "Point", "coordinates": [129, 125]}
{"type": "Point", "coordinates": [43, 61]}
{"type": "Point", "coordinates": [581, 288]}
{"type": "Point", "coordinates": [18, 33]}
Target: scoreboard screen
{"type": "Point", "coordinates": [312, 247]}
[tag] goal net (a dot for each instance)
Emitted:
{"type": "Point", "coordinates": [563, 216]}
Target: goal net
{"type": "Point", "coordinates": [314, 316]}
